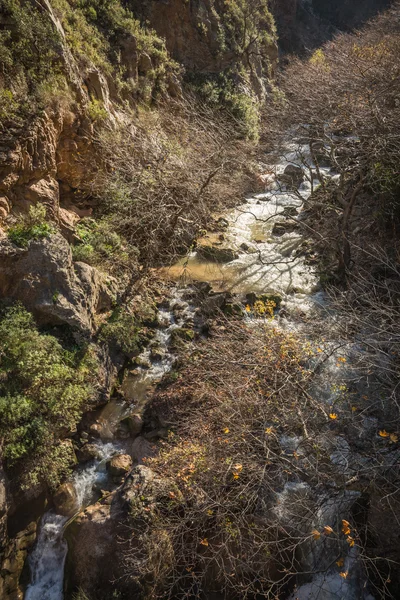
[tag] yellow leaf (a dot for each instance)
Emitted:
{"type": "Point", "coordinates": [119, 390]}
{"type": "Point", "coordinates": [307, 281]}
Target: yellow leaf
{"type": "Point", "coordinates": [340, 562]}
{"type": "Point", "coordinates": [269, 430]}
{"type": "Point", "coordinates": [248, 308]}
{"type": "Point", "coordinates": [235, 475]}
{"type": "Point", "coordinates": [350, 541]}
{"type": "Point", "coordinates": [210, 512]}
{"type": "Point", "coordinates": [333, 416]}
{"type": "Point", "coordinates": [316, 534]}
{"type": "Point", "coordinates": [226, 430]}
{"type": "Point", "coordinates": [319, 350]}
{"type": "Point", "coordinates": [238, 467]}
{"type": "Point", "coordinates": [353, 408]}
{"type": "Point", "coordinates": [204, 542]}
{"type": "Point", "coordinates": [383, 433]}
{"type": "Point", "coordinates": [344, 574]}
{"type": "Point", "coordinates": [393, 438]}
{"type": "Point", "coordinates": [328, 530]}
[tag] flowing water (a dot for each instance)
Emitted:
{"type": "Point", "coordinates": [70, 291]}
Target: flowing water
{"type": "Point", "coordinates": [266, 262]}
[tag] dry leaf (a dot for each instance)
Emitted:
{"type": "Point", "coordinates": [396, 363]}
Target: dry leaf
{"type": "Point", "coordinates": [316, 534]}
{"type": "Point", "coordinates": [204, 542]}
{"type": "Point", "coordinates": [333, 416]}
{"type": "Point", "coordinates": [340, 562]}
{"type": "Point", "coordinates": [328, 530]}
{"type": "Point", "coordinates": [344, 574]}
{"type": "Point", "coordinates": [383, 433]}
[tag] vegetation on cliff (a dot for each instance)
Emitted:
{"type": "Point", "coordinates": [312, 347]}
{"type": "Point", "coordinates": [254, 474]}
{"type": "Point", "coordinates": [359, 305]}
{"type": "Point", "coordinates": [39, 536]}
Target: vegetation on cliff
{"type": "Point", "coordinates": [44, 389]}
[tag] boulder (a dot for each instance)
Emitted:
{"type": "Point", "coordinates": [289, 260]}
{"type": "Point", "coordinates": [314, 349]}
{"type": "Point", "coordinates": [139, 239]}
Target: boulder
{"type": "Point", "coordinates": [292, 177]}
{"type": "Point", "coordinates": [216, 254]}
{"type": "Point", "coordinates": [50, 285]}
{"type": "Point", "coordinates": [66, 500]}
{"type": "Point", "coordinates": [88, 452]}
{"type": "Point", "coordinates": [282, 227]}
{"type": "Point", "coordinates": [119, 465]}
{"type": "Point", "coordinates": [135, 424]}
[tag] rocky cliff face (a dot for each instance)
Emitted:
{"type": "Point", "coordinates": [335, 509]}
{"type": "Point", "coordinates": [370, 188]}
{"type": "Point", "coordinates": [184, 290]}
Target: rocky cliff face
{"type": "Point", "coordinates": [306, 24]}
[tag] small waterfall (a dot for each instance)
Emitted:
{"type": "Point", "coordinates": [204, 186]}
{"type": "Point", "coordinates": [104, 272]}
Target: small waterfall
{"type": "Point", "coordinates": [48, 557]}
{"type": "Point", "coordinates": [47, 560]}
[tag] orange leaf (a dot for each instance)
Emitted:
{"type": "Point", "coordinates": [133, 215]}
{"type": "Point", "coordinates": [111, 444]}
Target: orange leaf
{"type": "Point", "coordinates": [345, 527]}
{"type": "Point", "coordinates": [340, 562]}
{"type": "Point", "coordinates": [204, 542]}
{"type": "Point", "coordinates": [350, 541]}
{"type": "Point", "coordinates": [344, 574]}
{"type": "Point", "coordinates": [328, 530]}
{"type": "Point", "coordinates": [333, 416]}
{"type": "Point", "coordinates": [383, 433]}
{"type": "Point", "coordinates": [316, 534]}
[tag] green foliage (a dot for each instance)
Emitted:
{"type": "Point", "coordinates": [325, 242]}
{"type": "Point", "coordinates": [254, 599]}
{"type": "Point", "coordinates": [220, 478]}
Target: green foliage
{"type": "Point", "coordinates": [43, 390]}
{"type": "Point", "coordinates": [31, 227]}
{"type": "Point", "coordinates": [29, 56]}
{"type": "Point", "coordinates": [96, 110]}
{"type": "Point", "coordinates": [128, 331]}
{"type": "Point", "coordinates": [219, 90]}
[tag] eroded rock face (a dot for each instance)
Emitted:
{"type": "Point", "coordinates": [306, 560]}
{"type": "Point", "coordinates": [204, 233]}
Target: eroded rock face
{"type": "Point", "coordinates": [50, 285]}
{"type": "Point", "coordinates": [13, 563]}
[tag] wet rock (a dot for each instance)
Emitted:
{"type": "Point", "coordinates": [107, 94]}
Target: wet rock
{"type": "Point", "coordinates": [87, 452]}
{"type": "Point", "coordinates": [214, 302]}
{"type": "Point", "coordinates": [290, 211]}
{"type": "Point", "coordinates": [135, 424]}
{"type": "Point", "coordinates": [282, 227]}
{"type": "Point", "coordinates": [222, 223]}
{"type": "Point", "coordinates": [122, 431]}
{"type": "Point", "coordinates": [292, 177]}
{"type": "Point", "coordinates": [119, 465]}
{"type": "Point", "coordinates": [157, 353]}
{"type": "Point", "coordinates": [216, 254]}
{"type": "Point", "coordinates": [181, 334]}
{"type": "Point", "coordinates": [66, 500]}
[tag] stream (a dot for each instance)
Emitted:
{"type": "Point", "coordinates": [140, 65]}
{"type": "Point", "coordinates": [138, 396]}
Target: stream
{"type": "Point", "coordinates": [264, 234]}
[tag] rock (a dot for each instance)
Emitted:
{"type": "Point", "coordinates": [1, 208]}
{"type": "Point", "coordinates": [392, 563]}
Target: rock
{"type": "Point", "coordinates": [222, 223]}
{"type": "Point", "coordinates": [282, 227]}
{"type": "Point", "coordinates": [44, 278]}
{"type": "Point", "coordinates": [181, 334]}
{"type": "Point", "coordinates": [214, 302]}
{"type": "Point", "coordinates": [245, 247]}
{"type": "Point", "coordinates": [216, 253]}
{"type": "Point", "coordinates": [290, 211]}
{"type": "Point", "coordinates": [135, 424]}
{"type": "Point", "coordinates": [66, 500]}
{"type": "Point", "coordinates": [87, 452]}
{"type": "Point", "coordinates": [14, 559]}
{"type": "Point", "coordinates": [119, 465]}
{"type": "Point", "coordinates": [292, 177]}
{"type": "Point", "coordinates": [95, 430]}
{"type": "Point", "coordinates": [122, 432]}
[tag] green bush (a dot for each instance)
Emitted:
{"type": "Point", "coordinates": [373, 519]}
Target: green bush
{"type": "Point", "coordinates": [31, 227]}
{"type": "Point", "coordinates": [128, 331]}
{"type": "Point", "coordinates": [43, 390]}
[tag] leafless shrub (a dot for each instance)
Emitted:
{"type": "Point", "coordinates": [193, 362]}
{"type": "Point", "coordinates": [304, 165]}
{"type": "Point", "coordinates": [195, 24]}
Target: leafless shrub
{"type": "Point", "coordinates": [162, 175]}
